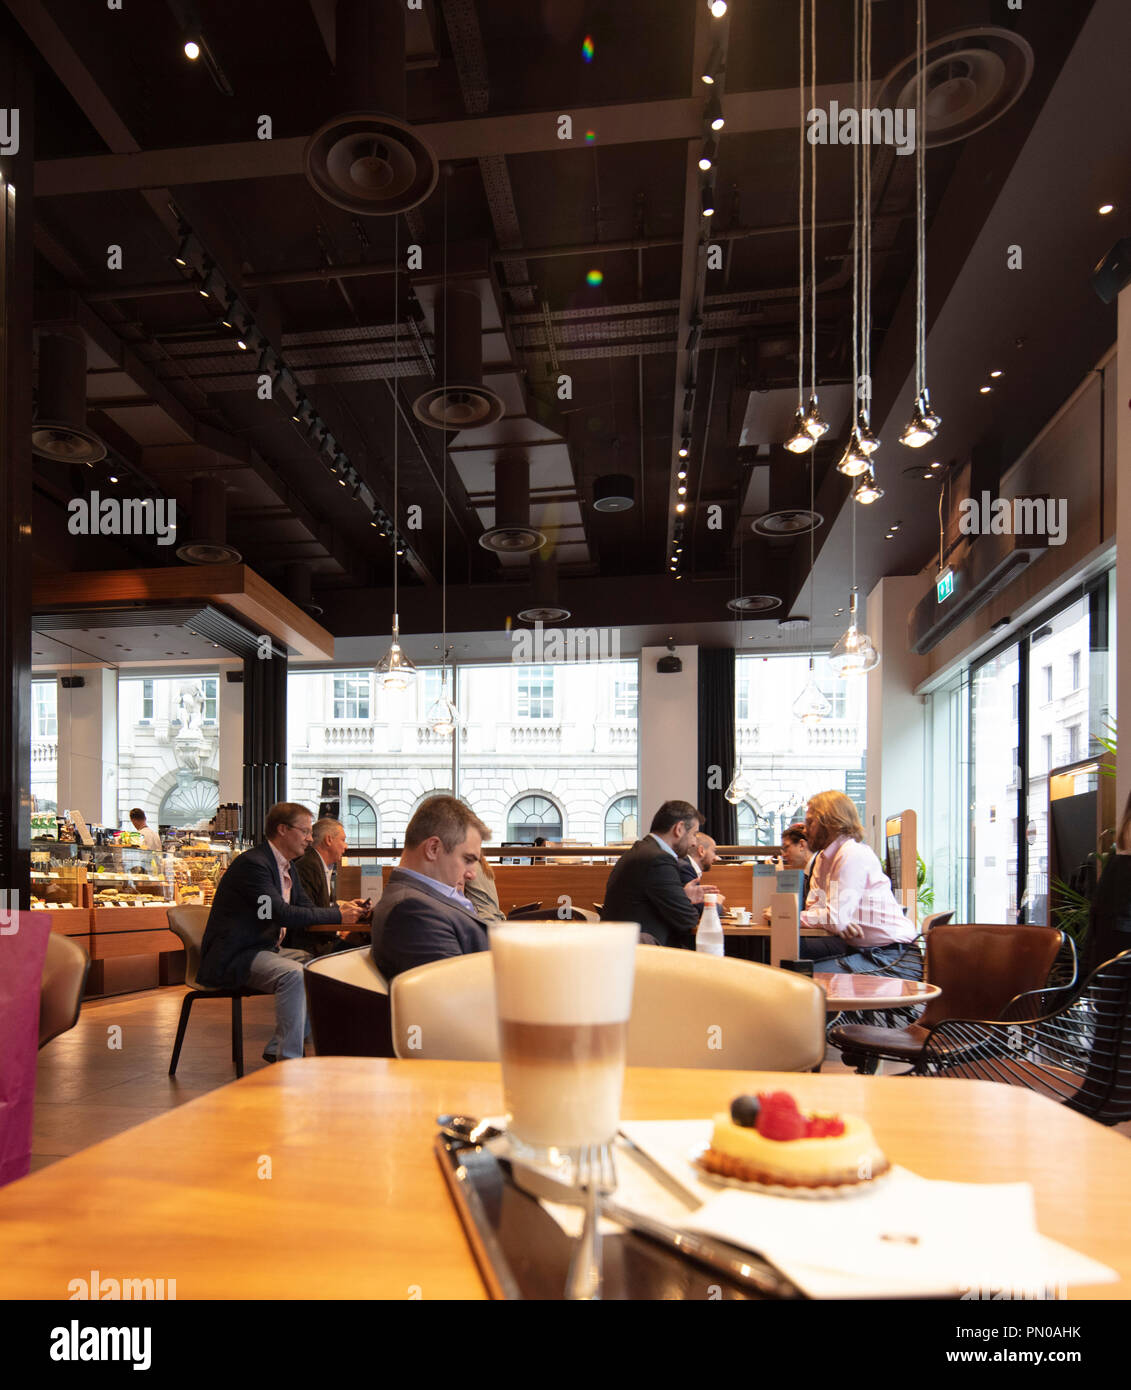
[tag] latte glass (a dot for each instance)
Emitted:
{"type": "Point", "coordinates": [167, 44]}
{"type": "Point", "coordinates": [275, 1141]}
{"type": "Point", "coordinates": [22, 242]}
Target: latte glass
{"type": "Point", "coordinates": [564, 994]}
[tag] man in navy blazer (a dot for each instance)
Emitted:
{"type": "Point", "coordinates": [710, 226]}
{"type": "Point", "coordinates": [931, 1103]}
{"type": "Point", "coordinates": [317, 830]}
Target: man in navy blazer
{"type": "Point", "coordinates": [423, 914]}
{"type": "Point", "coordinates": [645, 884]}
{"type": "Point", "coordinates": [257, 900]}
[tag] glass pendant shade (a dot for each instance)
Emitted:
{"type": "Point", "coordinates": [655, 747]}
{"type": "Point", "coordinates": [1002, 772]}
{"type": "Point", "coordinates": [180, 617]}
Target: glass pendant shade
{"type": "Point", "coordinates": [816, 426]}
{"type": "Point", "coordinates": [854, 652]}
{"type": "Point", "coordinates": [800, 441]}
{"type": "Point", "coordinates": [854, 460]}
{"type": "Point", "coordinates": [867, 489]}
{"type": "Point", "coordinates": [395, 670]}
{"type": "Point", "coordinates": [443, 717]}
{"type": "Point", "coordinates": [811, 706]}
{"type": "Point", "coordinates": [739, 788]}
{"type": "Point", "coordinates": [923, 426]}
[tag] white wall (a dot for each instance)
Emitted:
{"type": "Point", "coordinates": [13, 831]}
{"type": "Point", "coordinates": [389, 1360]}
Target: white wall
{"type": "Point", "coordinates": [88, 748]}
{"type": "Point", "coordinates": [896, 726]}
{"type": "Point", "coordinates": [669, 732]}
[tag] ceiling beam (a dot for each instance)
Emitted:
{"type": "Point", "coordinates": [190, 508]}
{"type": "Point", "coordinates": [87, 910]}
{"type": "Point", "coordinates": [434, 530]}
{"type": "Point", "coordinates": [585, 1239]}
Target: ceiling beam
{"type": "Point", "coordinates": [533, 132]}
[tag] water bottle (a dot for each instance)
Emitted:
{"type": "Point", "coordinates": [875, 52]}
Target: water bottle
{"type": "Point", "coordinates": [709, 938]}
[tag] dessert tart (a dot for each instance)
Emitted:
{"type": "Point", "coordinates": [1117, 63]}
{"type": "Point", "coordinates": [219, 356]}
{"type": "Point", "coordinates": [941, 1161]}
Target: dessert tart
{"type": "Point", "coordinates": [766, 1140]}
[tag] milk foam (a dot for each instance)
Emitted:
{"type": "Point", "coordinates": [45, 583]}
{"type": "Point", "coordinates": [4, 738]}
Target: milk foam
{"type": "Point", "coordinates": [564, 973]}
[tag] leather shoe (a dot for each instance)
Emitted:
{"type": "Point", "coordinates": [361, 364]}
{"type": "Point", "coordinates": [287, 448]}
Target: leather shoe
{"type": "Point", "coordinates": [268, 1058]}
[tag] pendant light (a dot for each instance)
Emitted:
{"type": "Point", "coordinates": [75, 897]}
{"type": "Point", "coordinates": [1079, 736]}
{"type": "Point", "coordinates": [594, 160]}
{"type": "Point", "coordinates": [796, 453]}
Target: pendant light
{"type": "Point", "coordinates": [924, 424]}
{"type": "Point", "coordinates": [811, 706]}
{"type": "Point", "coordinates": [816, 426]}
{"type": "Point", "coordinates": [854, 651]}
{"type": "Point", "coordinates": [739, 788]}
{"type": "Point", "coordinates": [867, 490]}
{"type": "Point", "coordinates": [801, 441]}
{"type": "Point", "coordinates": [395, 670]}
{"type": "Point", "coordinates": [443, 717]}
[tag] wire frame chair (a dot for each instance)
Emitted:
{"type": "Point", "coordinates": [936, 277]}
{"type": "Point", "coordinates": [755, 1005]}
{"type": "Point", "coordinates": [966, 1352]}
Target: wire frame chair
{"type": "Point", "coordinates": [1071, 1044]}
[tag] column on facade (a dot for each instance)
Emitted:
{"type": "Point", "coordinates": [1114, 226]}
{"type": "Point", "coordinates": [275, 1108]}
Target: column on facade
{"type": "Point", "coordinates": [88, 746]}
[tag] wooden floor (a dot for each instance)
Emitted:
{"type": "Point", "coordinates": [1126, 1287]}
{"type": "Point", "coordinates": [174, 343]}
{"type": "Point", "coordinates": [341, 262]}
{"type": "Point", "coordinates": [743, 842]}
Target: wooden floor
{"type": "Point", "coordinates": [94, 1083]}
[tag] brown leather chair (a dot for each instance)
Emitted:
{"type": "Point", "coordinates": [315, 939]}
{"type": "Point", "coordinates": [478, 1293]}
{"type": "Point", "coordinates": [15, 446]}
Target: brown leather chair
{"type": "Point", "coordinates": [688, 1010]}
{"type": "Point", "coordinates": [65, 969]}
{"type": "Point", "coordinates": [979, 969]}
{"type": "Point", "coordinates": [189, 923]}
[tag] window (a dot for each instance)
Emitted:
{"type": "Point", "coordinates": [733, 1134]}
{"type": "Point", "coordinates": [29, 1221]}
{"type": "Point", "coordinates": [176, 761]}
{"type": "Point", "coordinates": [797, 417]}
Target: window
{"type": "Point", "coordinates": [351, 696]}
{"type": "Point", "coordinates": [1046, 680]}
{"type": "Point", "coordinates": [360, 821]}
{"type": "Point", "coordinates": [531, 817]}
{"type": "Point", "coordinates": [147, 702]}
{"type": "Point", "coordinates": [742, 699]}
{"type": "Point", "coordinates": [211, 687]}
{"type": "Point", "coordinates": [1016, 701]}
{"type": "Point", "coordinates": [429, 682]}
{"type": "Point", "coordinates": [752, 829]}
{"type": "Point", "coordinates": [191, 805]}
{"type": "Point", "coordinates": [1074, 754]}
{"type": "Point", "coordinates": [45, 709]}
{"type": "Point", "coordinates": [620, 821]}
{"type": "Point", "coordinates": [535, 692]}
{"type": "Point", "coordinates": [624, 698]}
{"type": "Point", "coordinates": [1074, 663]}
{"type": "Point", "coordinates": [1046, 751]}
{"type": "Point", "coordinates": [834, 691]}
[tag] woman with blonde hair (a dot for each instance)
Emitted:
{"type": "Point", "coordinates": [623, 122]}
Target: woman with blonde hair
{"type": "Point", "coordinates": [850, 896]}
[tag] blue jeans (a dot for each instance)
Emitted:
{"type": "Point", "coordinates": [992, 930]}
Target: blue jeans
{"type": "Point", "coordinates": [281, 973]}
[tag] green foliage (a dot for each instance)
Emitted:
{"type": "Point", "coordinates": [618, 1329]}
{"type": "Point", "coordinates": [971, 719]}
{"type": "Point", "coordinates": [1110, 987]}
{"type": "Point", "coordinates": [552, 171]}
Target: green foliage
{"type": "Point", "coordinates": [924, 889]}
{"type": "Point", "coordinates": [1111, 745]}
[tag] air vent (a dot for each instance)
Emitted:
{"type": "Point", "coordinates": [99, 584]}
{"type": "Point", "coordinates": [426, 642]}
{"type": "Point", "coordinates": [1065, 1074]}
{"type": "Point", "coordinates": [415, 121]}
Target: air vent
{"type": "Point", "coordinates": [753, 603]}
{"type": "Point", "coordinates": [793, 521]}
{"type": "Point", "coordinates": [544, 607]}
{"type": "Point", "coordinates": [512, 532]}
{"type": "Point", "coordinates": [973, 76]}
{"type": "Point", "coordinates": [208, 544]}
{"type": "Point", "coordinates": [59, 432]}
{"type": "Point", "coordinates": [614, 492]}
{"type": "Point", "coordinates": [370, 161]}
{"type": "Point", "coordinates": [461, 401]}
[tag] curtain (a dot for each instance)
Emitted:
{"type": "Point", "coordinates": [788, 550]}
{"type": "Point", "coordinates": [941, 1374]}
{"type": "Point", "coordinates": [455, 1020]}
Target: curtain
{"type": "Point", "coordinates": [716, 742]}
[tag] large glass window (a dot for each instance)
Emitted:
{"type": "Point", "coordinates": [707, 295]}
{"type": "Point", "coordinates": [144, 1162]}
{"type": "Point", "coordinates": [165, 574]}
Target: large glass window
{"type": "Point", "coordinates": [565, 732]}
{"type": "Point", "coordinates": [169, 748]}
{"type": "Point", "coordinates": [360, 821]}
{"type": "Point", "coordinates": [786, 761]}
{"type": "Point", "coordinates": [531, 817]}
{"type": "Point", "coordinates": [351, 695]}
{"type": "Point", "coordinates": [621, 821]}
{"type": "Point", "coordinates": [995, 782]}
{"type": "Point", "coordinates": [44, 744]}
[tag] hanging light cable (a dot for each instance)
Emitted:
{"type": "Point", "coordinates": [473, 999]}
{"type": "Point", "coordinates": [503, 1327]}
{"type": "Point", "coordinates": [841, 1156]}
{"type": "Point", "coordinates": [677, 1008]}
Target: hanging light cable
{"type": "Point", "coordinates": [800, 441]}
{"type": "Point", "coordinates": [854, 651]}
{"type": "Point", "coordinates": [811, 706]}
{"type": "Point", "coordinates": [924, 424]}
{"type": "Point", "coordinates": [861, 440]}
{"type": "Point", "coordinates": [816, 426]}
{"type": "Point", "coordinates": [739, 788]}
{"type": "Point", "coordinates": [395, 670]}
{"type": "Point", "coordinates": [443, 717]}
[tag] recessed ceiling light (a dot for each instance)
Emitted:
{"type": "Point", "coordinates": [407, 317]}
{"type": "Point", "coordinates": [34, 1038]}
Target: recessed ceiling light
{"type": "Point", "coordinates": [192, 50]}
{"type": "Point", "coordinates": [985, 390]}
{"type": "Point", "coordinates": [936, 464]}
{"type": "Point", "coordinates": [718, 8]}
{"type": "Point", "coordinates": [681, 506]}
{"type": "Point", "coordinates": [996, 373]}
{"type": "Point", "coordinates": [684, 450]}
{"type": "Point", "coordinates": [1105, 208]}
{"type": "Point", "coordinates": [113, 477]}
{"type": "Point", "coordinates": [682, 474]}
{"type": "Point", "coordinates": [681, 490]}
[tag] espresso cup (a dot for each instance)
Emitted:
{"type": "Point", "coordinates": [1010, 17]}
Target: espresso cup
{"type": "Point", "coordinates": [564, 997]}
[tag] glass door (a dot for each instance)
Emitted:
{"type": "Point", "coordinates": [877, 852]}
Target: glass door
{"type": "Point", "coordinates": [995, 786]}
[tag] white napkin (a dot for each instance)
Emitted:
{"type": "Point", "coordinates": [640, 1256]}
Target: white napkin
{"type": "Point", "coordinates": [905, 1236]}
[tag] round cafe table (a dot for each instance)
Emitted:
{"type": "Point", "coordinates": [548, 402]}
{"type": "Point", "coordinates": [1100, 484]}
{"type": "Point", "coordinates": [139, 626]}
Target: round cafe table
{"type": "Point", "coordinates": [846, 993]}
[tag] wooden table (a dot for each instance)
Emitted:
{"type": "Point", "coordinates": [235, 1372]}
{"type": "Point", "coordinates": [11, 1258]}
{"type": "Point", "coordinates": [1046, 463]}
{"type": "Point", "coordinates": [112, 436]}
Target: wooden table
{"type": "Point", "coordinates": [846, 993]}
{"type": "Point", "coordinates": [356, 1207]}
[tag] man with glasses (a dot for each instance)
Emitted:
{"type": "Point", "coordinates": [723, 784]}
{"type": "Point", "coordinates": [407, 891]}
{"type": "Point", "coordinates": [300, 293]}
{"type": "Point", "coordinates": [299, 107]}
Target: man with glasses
{"type": "Point", "coordinates": [257, 900]}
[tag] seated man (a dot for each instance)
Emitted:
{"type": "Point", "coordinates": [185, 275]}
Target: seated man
{"type": "Point", "coordinates": [644, 885]}
{"type": "Point", "coordinates": [317, 870]}
{"type": "Point", "coordinates": [423, 915]}
{"type": "Point", "coordinates": [256, 901]}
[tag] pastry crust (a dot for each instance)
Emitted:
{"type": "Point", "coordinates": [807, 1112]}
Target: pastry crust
{"type": "Point", "coordinates": [728, 1166]}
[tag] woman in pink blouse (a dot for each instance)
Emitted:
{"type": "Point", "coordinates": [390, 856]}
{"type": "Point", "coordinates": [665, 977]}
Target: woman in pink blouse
{"type": "Point", "coordinates": [850, 896]}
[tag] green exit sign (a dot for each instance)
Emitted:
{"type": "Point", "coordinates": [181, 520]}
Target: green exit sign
{"type": "Point", "coordinates": [944, 584]}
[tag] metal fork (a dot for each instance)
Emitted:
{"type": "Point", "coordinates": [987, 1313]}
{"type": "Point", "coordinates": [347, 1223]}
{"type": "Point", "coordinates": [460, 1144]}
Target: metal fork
{"type": "Point", "coordinates": [595, 1176]}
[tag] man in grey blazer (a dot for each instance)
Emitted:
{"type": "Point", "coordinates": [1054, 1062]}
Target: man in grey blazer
{"type": "Point", "coordinates": [645, 885]}
{"type": "Point", "coordinates": [423, 914]}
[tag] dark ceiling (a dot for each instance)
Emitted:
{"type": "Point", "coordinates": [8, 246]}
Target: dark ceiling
{"type": "Point", "coordinates": [521, 218]}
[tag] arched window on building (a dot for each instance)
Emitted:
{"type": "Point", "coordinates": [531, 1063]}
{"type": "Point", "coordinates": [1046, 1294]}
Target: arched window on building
{"type": "Point", "coordinates": [531, 816]}
{"type": "Point", "coordinates": [360, 821]}
{"type": "Point", "coordinates": [192, 803]}
{"type": "Point", "coordinates": [620, 821]}
{"type": "Point", "coordinates": [753, 827]}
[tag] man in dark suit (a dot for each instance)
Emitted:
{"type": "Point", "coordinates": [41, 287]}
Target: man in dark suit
{"type": "Point", "coordinates": [317, 870]}
{"type": "Point", "coordinates": [645, 886]}
{"type": "Point", "coordinates": [423, 914]}
{"type": "Point", "coordinates": [257, 901]}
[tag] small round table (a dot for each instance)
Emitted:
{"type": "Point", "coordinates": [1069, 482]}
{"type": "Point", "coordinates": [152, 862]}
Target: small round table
{"type": "Point", "coordinates": [848, 993]}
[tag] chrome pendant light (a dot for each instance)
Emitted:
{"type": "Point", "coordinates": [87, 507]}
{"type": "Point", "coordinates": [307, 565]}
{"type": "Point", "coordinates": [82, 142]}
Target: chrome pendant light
{"type": "Point", "coordinates": [924, 424]}
{"type": "Point", "coordinates": [395, 671]}
{"type": "Point", "coordinates": [801, 440]}
{"type": "Point", "coordinates": [867, 490]}
{"type": "Point", "coordinates": [443, 717]}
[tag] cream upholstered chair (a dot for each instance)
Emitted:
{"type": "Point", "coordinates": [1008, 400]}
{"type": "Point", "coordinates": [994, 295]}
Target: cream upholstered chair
{"type": "Point", "coordinates": [65, 968]}
{"type": "Point", "coordinates": [688, 1010]}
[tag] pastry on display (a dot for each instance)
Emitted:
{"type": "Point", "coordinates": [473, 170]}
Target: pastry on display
{"type": "Point", "coordinates": [767, 1140]}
